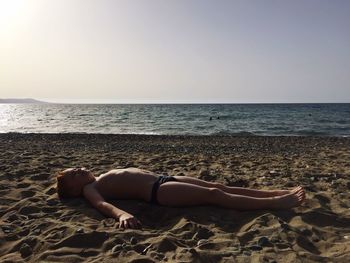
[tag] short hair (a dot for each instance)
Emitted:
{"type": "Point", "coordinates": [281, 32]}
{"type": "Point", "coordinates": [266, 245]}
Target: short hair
{"type": "Point", "coordinates": [63, 189]}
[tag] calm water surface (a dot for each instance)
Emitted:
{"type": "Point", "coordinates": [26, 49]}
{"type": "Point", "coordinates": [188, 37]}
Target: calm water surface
{"type": "Point", "coordinates": [177, 119]}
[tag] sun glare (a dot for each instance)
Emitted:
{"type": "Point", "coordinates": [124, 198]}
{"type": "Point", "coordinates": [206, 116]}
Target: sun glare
{"type": "Point", "coordinates": [10, 8]}
{"type": "Point", "coordinates": [11, 12]}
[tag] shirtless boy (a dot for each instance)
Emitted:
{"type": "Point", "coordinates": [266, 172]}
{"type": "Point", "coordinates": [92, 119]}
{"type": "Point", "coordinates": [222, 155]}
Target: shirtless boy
{"type": "Point", "coordinates": [133, 183]}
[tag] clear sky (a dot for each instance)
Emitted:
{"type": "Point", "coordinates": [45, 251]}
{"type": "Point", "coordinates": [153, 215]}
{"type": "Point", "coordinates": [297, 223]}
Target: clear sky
{"type": "Point", "coordinates": [175, 51]}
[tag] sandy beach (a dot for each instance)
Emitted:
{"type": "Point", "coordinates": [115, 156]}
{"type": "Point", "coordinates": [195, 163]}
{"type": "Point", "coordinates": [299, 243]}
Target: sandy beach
{"type": "Point", "coordinates": [37, 227]}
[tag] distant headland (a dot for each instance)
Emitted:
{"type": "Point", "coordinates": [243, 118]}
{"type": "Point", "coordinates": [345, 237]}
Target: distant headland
{"type": "Point", "coordinates": [26, 100]}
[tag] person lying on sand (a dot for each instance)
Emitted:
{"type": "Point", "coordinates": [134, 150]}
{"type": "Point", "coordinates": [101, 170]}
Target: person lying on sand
{"type": "Point", "coordinates": [176, 191]}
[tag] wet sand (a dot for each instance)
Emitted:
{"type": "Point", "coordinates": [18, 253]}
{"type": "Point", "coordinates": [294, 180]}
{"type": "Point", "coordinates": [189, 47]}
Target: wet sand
{"type": "Point", "coordinates": [36, 226]}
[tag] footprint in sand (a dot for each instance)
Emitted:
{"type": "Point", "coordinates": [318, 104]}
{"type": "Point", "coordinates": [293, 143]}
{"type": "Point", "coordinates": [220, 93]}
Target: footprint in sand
{"type": "Point", "coordinates": [27, 193]}
{"type": "Point", "coordinates": [27, 210]}
{"type": "Point", "coordinates": [94, 239]}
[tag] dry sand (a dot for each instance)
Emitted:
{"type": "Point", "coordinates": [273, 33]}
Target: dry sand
{"type": "Point", "coordinates": [37, 227]}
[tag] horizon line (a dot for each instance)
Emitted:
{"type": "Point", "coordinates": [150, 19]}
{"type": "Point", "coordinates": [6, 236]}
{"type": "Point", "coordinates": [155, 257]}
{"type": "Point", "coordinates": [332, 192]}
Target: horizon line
{"type": "Point", "coordinates": [88, 101]}
{"type": "Point", "coordinates": [106, 102]}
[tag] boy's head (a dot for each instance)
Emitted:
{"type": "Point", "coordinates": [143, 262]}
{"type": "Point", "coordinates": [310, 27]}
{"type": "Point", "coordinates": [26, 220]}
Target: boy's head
{"type": "Point", "coordinates": [70, 182]}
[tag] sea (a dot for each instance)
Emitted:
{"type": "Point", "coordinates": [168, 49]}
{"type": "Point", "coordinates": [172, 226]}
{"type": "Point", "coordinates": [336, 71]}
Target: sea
{"type": "Point", "coordinates": [179, 119]}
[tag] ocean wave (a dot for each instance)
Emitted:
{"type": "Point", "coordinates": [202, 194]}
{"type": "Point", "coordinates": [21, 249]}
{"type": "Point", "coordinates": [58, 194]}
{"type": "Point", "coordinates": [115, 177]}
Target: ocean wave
{"type": "Point", "coordinates": [311, 133]}
{"type": "Point", "coordinates": [230, 133]}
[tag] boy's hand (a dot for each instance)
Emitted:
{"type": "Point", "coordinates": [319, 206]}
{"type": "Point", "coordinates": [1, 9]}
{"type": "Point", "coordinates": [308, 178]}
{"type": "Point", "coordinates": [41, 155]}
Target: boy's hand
{"type": "Point", "coordinates": [128, 221]}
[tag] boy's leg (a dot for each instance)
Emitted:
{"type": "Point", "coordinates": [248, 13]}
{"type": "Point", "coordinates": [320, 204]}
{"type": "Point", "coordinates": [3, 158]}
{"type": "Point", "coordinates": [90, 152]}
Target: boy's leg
{"type": "Point", "coordinates": [232, 190]}
{"type": "Point", "coordinates": [184, 194]}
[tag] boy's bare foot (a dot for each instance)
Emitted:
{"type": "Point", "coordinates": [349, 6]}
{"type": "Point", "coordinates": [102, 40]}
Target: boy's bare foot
{"type": "Point", "coordinates": [282, 192]}
{"type": "Point", "coordinates": [293, 199]}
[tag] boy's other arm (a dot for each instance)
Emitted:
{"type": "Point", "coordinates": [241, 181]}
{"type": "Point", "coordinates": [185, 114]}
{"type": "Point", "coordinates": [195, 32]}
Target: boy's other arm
{"type": "Point", "coordinates": [125, 219]}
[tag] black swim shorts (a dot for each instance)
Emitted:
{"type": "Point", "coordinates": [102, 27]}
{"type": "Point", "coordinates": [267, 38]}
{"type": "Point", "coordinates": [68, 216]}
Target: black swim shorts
{"type": "Point", "coordinates": [160, 180]}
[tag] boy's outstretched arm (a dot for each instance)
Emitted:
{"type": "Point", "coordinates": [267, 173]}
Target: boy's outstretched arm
{"type": "Point", "coordinates": [126, 220]}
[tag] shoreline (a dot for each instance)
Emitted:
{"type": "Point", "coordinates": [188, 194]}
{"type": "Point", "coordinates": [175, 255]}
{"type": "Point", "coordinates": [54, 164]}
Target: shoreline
{"type": "Point", "coordinates": [170, 136]}
{"type": "Point", "coordinates": [238, 134]}
{"type": "Point", "coordinates": [36, 226]}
